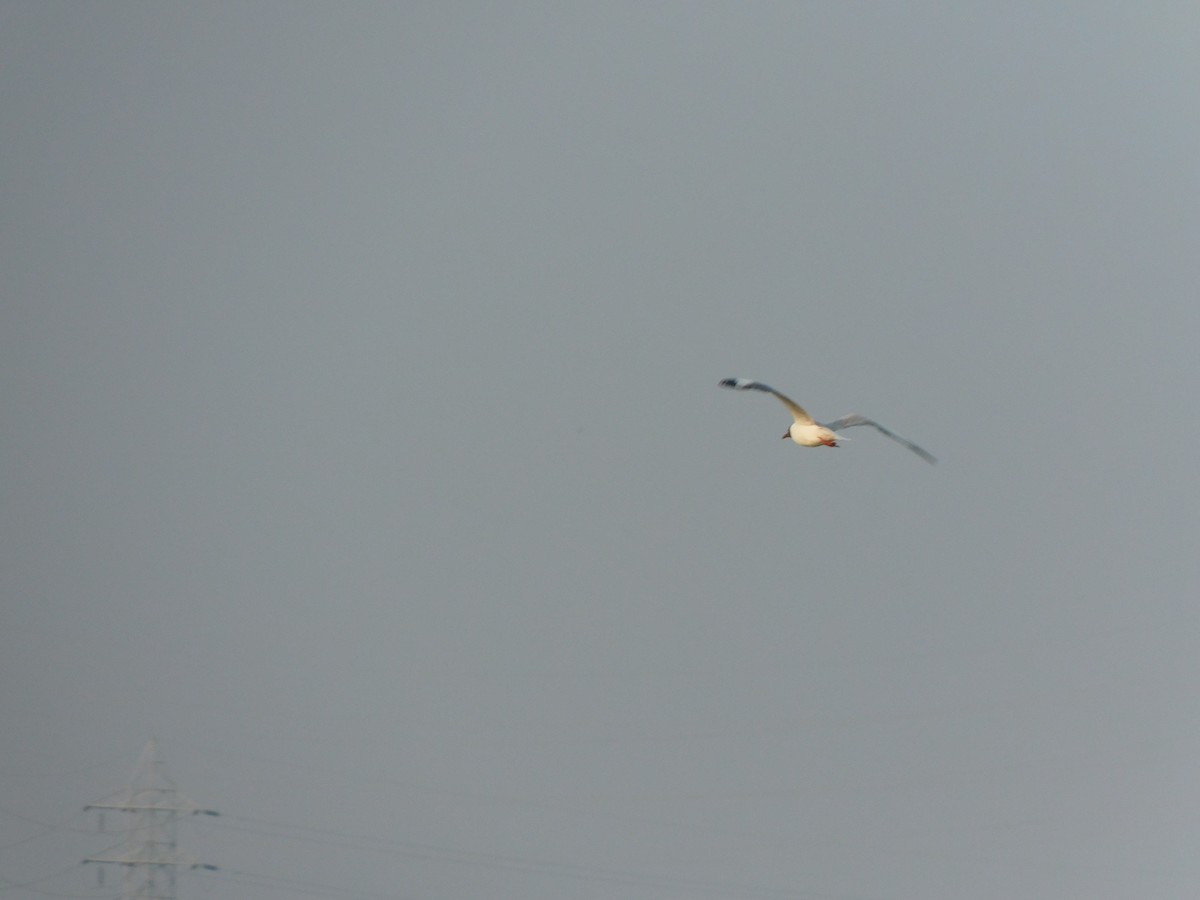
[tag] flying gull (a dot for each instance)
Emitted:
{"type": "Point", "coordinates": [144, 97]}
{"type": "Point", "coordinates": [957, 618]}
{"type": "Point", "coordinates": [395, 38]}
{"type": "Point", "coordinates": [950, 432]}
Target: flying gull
{"type": "Point", "coordinates": [807, 432]}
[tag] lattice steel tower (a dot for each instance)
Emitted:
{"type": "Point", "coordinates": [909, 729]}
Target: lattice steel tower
{"type": "Point", "coordinates": [152, 807]}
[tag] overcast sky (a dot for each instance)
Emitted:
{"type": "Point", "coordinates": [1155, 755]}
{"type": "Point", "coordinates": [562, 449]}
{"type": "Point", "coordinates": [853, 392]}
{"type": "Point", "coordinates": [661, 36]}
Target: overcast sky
{"type": "Point", "coordinates": [362, 443]}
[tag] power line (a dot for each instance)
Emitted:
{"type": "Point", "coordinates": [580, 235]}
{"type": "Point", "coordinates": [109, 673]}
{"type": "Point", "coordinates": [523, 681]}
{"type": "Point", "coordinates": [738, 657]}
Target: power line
{"type": "Point", "coordinates": [152, 805]}
{"type": "Point", "coordinates": [295, 886]}
{"type": "Point", "coordinates": [46, 827]}
{"type": "Point", "coordinates": [28, 885]}
{"type": "Point", "coordinates": [495, 861]}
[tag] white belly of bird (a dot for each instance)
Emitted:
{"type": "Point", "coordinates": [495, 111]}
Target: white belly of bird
{"type": "Point", "coordinates": [812, 435]}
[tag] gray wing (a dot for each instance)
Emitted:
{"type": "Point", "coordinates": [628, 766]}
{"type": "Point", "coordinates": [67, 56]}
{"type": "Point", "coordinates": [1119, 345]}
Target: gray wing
{"type": "Point", "coordinates": [745, 384]}
{"type": "Point", "coordinates": [855, 419]}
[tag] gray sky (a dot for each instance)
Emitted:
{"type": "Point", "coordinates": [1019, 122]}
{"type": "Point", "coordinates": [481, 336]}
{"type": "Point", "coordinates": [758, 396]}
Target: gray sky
{"type": "Point", "coordinates": [362, 443]}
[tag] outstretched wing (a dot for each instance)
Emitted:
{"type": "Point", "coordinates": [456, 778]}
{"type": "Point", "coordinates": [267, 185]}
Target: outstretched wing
{"type": "Point", "coordinates": [855, 419]}
{"type": "Point", "coordinates": [744, 384]}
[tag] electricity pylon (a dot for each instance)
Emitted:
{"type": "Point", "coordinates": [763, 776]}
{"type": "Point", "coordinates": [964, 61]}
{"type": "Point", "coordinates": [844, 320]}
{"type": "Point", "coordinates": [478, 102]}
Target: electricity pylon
{"type": "Point", "coordinates": [148, 852]}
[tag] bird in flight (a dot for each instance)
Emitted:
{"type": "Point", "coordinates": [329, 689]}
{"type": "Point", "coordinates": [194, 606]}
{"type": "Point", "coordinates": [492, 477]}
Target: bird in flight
{"type": "Point", "coordinates": [807, 432]}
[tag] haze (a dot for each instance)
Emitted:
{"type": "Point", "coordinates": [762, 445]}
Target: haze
{"type": "Point", "coordinates": [363, 445]}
